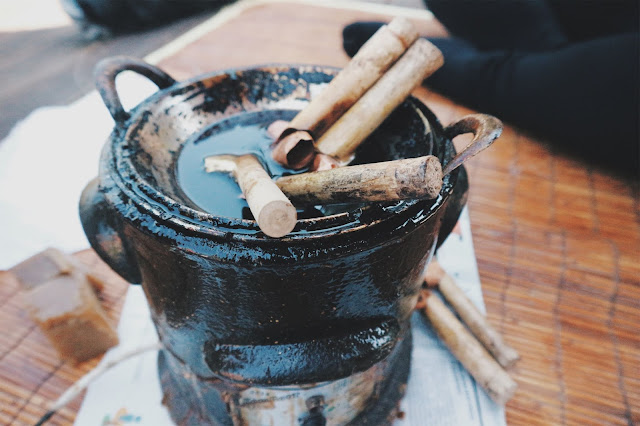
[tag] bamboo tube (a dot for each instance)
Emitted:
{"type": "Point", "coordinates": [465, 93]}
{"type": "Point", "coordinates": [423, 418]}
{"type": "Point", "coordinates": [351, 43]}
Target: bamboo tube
{"type": "Point", "coordinates": [470, 315]}
{"type": "Point", "coordinates": [482, 367]}
{"type": "Point", "coordinates": [412, 178]}
{"type": "Point", "coordinates": [364, 69]}
{"type": "Point", "coordinates": [273, 211]}
{"type": "Point", "coordinates": [419, 61]}
{"type": "Point", "coordinates": [295, 150]}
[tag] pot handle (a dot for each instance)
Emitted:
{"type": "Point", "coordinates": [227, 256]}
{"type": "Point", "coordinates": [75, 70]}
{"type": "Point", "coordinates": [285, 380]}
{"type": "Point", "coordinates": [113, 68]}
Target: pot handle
{"type": "Point", "coordinates": [108, 69]}
{"type": "Point", "coordinates": [485, 129]}
{"type": "Point", "coordinates": [105, 233]}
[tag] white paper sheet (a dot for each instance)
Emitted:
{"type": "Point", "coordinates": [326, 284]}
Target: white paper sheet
{"type": "Point", "coordinates": [440, 391]}
{"type": "Point", "coordinates": [45, 163]}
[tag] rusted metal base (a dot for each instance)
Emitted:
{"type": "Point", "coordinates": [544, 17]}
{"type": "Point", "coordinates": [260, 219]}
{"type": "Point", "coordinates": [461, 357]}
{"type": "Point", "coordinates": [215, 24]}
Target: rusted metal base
{"type": "Point", "coordinates": [367, 398]}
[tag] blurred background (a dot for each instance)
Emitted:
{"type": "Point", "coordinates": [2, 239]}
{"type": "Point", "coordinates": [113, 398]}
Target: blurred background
{"type": "Point", "coordinates": [48, 57]}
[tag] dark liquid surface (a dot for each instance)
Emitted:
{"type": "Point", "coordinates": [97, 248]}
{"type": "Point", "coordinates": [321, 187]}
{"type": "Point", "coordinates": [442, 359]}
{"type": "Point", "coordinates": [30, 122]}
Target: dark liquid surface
{"type": "Point", "coordinates": [218, 193]}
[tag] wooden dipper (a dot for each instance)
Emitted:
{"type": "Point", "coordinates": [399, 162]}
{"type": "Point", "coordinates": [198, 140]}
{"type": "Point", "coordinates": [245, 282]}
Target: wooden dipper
{"type": "Point", "coordinates": [412, 178]}
{"type": "Point", "coordinates": [273, 211]}
{"type": "Point", "coordinates": [364, 69]}
{"type": "Point", "coordinates": [435, 276]}
{"type": "Point", "coordinates": [475, 358]}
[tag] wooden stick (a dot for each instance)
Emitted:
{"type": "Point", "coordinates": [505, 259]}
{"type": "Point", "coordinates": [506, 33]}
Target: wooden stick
{"type": "Point", "coordinates": [419, 61]}
{"type": "Point", "coordinates": [275, 214]}
{"type": "Point", "coordinates": [482, 367]}
{"type": "Point", "coordinates": [412, 178]}
{"type": "Point", "coordinates": [364, 69]}
{"type": "Point", "coordinates": [470, 315]}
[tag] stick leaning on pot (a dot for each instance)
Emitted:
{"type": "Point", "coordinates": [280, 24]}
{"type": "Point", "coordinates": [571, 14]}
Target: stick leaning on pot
{"type": "Point", "coordinates": [435, 276]}
{"type": "Point", "coordinates": [463, 345]}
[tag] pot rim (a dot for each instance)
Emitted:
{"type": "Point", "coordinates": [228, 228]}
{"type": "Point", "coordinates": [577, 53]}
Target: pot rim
{"type": "Point", "coordinates": [167, 210]}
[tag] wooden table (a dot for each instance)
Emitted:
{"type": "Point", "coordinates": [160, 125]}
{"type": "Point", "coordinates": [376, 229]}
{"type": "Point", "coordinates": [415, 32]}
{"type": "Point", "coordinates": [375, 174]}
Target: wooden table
{"type": "Point", "coordinates": [557, 244]}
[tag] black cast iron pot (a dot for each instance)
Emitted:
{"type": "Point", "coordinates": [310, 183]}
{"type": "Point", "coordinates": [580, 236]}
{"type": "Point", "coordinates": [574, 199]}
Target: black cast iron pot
{"type": "Point", "coordinates": [236, 309]}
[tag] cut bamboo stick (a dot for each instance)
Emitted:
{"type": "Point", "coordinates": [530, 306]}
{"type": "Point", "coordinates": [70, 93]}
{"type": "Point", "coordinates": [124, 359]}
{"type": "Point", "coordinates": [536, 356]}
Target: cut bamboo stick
{"type": "Point", "coordinates": [364, 69]}
{"type": "Point", "coordinates": [435, 276]}
{"type": "Point", "coordinates": [475, 358]}
{"type": "Point", "coordinates": [412, 178]}
{"type": "Point", "coordinates": [419, 61]}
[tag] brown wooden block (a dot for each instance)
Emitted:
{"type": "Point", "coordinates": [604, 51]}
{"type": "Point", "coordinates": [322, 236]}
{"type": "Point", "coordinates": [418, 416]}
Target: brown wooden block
{"type": "Point", "coordinates": [42, 267]}
{"type": "Point", "coordinates": [69, 313]}
{"type": "Point", "coordinates": [49, 264]}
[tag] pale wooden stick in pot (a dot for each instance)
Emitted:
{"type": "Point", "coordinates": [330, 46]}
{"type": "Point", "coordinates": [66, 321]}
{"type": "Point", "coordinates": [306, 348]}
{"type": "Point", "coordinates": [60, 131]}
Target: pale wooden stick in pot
{"type": "Point", "coordinates": [364, 69]}
{"type": "Point", "coordinates": [475, 358]}
{"type": "Point", "coordinates": [435, 276]}
{"type": "Point", "coordinates": [273, 211]}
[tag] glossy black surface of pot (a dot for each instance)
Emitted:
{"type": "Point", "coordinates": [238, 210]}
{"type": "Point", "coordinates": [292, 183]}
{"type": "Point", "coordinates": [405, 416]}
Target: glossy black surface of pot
{"type": "Point", "coordinates": [323, 303]}
{"type": "Point", "coordinates": [197, 401]}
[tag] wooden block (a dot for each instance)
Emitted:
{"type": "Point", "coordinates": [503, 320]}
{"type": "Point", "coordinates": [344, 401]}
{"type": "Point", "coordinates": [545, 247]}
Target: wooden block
{"type": "Point", "coordinates": [97, 281]}
{"type": "Point", "coordinates": [42, 267]}
{"type": "Point", "coordinates": [70, 315]}
{"type": "Point", "coordinates": [51, 263]}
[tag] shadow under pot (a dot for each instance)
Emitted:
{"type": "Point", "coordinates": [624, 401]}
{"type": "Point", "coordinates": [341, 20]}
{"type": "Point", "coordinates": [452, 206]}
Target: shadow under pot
{"type": "Point", "coordinates": [257, 330]}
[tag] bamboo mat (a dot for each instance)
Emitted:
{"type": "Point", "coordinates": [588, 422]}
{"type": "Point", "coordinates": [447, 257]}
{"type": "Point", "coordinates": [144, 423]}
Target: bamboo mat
{"type": "Point", "coordinates": [557, 244]}
{"type": "Point", "coordinates": [31, 375]}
